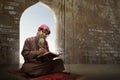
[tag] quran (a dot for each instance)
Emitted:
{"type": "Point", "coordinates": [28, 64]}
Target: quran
{"type": "Point", "coordinates": [48, 56]}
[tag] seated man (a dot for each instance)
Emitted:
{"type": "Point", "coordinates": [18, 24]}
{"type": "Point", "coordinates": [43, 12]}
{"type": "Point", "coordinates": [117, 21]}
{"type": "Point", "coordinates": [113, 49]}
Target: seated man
{"type": "Point", "coordinates": [34, 47]}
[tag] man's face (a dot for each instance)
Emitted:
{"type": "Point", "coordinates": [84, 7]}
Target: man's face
{"type": "Point", "coordinates": [43, 33]}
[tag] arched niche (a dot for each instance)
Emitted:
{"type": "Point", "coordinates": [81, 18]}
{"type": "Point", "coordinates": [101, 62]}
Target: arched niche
{"type": "Point", "coordinates": [31, 19]}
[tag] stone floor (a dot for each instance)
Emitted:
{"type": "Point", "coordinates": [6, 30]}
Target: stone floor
{"type": "Point", "coordinates": [89, 71]}
{"type": "Point", "coordinates": [96, 71]}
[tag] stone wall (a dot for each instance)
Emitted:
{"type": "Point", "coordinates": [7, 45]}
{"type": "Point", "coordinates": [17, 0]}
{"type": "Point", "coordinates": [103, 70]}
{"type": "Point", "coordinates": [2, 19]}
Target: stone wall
{"type": "Point", "coordinates": [92, 31]}
{"type": "Point", "coordinates": [88, 31]}
{"type": "Point", "coordinates": [10, 12]}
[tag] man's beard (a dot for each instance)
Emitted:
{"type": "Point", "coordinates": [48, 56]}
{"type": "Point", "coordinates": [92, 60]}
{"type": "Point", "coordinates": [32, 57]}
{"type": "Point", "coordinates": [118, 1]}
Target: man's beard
{"type": "Point", "coordinates": [40, 41]}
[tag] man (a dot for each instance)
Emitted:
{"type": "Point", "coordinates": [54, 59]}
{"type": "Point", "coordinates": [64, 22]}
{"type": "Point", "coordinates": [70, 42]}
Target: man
{"type": "Point", "coordinates": [34, 47]}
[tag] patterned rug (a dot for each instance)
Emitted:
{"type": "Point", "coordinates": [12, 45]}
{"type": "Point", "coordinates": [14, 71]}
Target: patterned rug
{"type": "Point", "coordinates": [51, 76]}
{"type": "Point", "coordinates": [57, 76]}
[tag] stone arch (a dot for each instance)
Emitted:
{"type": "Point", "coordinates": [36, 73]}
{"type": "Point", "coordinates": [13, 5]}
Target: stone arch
{"type": "Point", "coordinates": [39, 19]}
{"type": "Point", "coordinates": [13, 10]}
{"type": "Point", "coordinates": [58, 8]}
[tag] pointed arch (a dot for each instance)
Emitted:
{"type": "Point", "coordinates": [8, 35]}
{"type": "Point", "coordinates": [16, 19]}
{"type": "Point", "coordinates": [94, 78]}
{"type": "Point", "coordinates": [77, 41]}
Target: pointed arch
{"type": "Point", "coordinates": [32, 18]}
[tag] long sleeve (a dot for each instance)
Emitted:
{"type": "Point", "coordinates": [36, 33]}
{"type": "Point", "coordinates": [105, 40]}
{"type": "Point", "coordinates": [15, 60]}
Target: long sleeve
{"type": "Point", "coordinates": [28, 52]}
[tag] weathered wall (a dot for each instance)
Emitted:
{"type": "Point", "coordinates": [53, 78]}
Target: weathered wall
{"type": "Point", "coordinates": [10, 12]}
{"type": "Point", "coordinates": [92, 31]}
{"type": "Point", "coordinates": [88, 30]}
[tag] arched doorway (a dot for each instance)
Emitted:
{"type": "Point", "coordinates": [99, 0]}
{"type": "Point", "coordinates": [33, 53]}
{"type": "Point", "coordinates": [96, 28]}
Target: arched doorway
{"type": "Point", "coordinates": [31, 19]}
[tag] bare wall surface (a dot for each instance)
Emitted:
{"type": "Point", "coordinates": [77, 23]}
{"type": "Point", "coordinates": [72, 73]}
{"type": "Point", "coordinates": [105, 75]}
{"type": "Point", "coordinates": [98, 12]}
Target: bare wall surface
{"type": "Point", "coordinates": [92, 31]}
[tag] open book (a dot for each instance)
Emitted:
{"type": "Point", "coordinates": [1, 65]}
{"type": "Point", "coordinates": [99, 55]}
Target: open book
{"type": "Point", "coordinates": [48, 56]}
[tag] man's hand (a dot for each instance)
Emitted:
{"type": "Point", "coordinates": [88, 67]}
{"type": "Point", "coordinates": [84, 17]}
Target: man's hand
{"type": "Point", "coordinates": [41, 51]}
